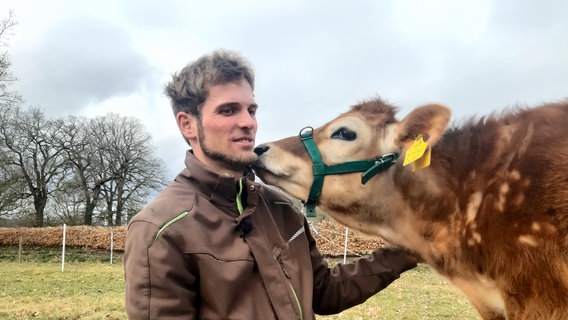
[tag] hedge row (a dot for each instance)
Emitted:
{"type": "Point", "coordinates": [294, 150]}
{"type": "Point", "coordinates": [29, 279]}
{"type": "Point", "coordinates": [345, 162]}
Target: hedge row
{"type": "Point", "coordinates": [329, 235]}
{"type": "Point", "coordinates": [75, 236]}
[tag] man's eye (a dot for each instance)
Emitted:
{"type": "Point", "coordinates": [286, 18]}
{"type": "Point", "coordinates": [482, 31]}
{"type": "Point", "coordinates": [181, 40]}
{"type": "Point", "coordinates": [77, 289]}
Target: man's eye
{"type": "Point", "coordinates": [227, 111]}
{"type": "Point", "coordinates": [344, 134]}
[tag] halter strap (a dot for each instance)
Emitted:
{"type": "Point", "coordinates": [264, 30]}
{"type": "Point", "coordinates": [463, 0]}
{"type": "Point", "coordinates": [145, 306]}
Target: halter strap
{"type": "Point", "coordinates": [369, 167]}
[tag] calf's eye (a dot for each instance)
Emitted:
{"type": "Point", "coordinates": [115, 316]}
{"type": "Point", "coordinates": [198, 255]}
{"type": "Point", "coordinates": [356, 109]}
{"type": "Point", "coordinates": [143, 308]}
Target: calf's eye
{"type": "Point", "coordinates": [344, 134]}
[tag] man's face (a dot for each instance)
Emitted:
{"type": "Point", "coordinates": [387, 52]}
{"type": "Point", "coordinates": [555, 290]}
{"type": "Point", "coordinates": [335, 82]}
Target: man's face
{"type": "Point", "coordinates": [227, 128]}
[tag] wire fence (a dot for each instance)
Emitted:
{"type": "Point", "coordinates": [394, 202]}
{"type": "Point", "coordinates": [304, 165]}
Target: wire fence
{"type": "Point", "coordinates": [332, 238]}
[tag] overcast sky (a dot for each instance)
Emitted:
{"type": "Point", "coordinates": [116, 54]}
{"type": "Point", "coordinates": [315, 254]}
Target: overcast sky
{"type": "Point", "coordinates": [313, 59]}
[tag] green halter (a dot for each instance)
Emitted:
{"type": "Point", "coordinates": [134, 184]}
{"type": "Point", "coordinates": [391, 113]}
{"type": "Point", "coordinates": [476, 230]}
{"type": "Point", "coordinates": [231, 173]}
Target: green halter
{"type": "Point", "coordinates": [369, 167]}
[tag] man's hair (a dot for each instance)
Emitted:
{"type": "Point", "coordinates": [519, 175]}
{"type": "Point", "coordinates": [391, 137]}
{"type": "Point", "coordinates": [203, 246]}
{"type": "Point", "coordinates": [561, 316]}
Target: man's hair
{"type": "Point", "coordinates": [189, 88]}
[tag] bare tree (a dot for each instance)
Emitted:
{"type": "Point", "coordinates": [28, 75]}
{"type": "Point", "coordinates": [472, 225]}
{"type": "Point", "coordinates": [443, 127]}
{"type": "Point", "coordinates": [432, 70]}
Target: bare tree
{"type": "Point", "coordinates": [11, 187]}
{"type": "Point", "coordinates": [67, 207]}
{"type": "Point", "coordinates": [88, 160]}
{"type": "Point", "coordinates": [7, 97]}
{"type": "Point", "coordinates": [130, 156]}
{"type": "Point", "coordinates": [11, 182]}
{"type": "Point", "coordinates": [31, 144]}
{"type": "Point", "coordinates": [74, 161]}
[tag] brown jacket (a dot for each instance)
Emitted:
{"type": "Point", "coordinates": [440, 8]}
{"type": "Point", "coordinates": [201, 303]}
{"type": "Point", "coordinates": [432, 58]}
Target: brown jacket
{"type": "Point", "coordinates": [210, 247]}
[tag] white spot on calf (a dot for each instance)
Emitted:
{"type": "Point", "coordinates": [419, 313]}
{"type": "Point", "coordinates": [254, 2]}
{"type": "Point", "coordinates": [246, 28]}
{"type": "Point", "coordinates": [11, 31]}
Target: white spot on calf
{"type": "Point", "coordinates": [475, 239]}
{"type": "Point", "coordinates": [503, 190]}
{"type": "Point", "coordinates": [473, 206]}
{"type": "Point", "coordinates": [514, 175]}
{"type": "Point", "coordinates": [528, 240]}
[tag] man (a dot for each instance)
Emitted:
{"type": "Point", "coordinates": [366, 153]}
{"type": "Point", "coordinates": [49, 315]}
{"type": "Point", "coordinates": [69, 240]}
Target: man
{"type": "Point", "coordinates": [215, 244]}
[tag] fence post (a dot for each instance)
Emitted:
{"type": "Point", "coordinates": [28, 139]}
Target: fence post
{"type": "Point", "coordinates": [111, 243]}
{"type": "Point", "coordinates": [20, 250]}
{"type": "Point", "coordinates": [63, 252]}
{"type": "Point", "coordinates": [345, 246]}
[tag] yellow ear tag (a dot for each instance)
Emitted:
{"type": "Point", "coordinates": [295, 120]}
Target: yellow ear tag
{"type": "Point", "coordinates": [416, 150]}
{"type": "Point", "coordinates": [423, 162]}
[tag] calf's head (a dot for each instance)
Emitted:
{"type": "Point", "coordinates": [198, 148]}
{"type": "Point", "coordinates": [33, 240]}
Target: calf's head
{"type": "Point", "coordinates": [367, 131]}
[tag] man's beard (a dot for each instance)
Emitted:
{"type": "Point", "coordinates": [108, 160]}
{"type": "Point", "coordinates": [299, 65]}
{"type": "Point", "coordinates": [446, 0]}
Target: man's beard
{"type": "Point", "coordinates": [233, 163]}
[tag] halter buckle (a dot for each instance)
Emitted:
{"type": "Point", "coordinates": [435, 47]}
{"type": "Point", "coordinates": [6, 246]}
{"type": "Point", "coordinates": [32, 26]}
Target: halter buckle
{"type": "Point", "coordinates": [306, 133]}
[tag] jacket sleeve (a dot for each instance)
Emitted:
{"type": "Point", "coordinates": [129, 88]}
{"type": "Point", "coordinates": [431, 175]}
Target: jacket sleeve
{"type": "Point", "coordinates": [347, 285]}
{"type": "Point", "coordinates": [159, 283]}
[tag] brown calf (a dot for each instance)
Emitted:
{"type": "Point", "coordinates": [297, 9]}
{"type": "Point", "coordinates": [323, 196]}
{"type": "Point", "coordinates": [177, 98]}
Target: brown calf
{"type": "Point", "coordinates": [490, 212]}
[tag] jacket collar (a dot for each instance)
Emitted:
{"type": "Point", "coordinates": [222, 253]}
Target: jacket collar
{"type": "Point", "coordinates": [217, 188]}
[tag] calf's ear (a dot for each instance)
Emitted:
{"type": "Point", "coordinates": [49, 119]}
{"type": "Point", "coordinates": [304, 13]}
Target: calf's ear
{"type": "Point", "coordinates": [429, 121]}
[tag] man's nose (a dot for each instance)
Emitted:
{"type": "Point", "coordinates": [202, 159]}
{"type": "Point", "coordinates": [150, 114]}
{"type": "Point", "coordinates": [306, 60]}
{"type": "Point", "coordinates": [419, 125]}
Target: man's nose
{"type": "Point", "coordinates": [259, 150]}
{"type": "Point", "coordinates": [247, 120]}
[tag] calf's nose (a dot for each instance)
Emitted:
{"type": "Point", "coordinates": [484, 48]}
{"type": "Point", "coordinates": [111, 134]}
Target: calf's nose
{"type": "Point", "coordinates": [259, 150]}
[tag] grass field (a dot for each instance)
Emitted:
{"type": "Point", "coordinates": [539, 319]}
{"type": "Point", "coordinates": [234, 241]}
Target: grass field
{"type": "Point", "coordinates": [91, 288]}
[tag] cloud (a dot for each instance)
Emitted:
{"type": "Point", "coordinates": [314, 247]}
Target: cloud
{"type": "Point", "coordinates": [80, 60]}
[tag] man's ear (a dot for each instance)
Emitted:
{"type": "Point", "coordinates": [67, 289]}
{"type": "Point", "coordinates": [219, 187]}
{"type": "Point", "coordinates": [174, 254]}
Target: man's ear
{"type": "Point", "coordinates": [187, 124]}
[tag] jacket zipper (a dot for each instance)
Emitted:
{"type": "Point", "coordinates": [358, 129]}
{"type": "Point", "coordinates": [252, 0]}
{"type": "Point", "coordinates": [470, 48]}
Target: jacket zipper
{"type": "Point", "coordinates": [291, 286]}
{"type": "Point", "coordinates": [241, 209]}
